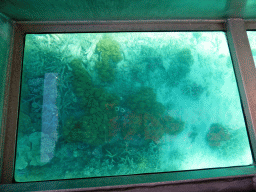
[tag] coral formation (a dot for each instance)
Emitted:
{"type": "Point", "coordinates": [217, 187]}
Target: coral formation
{"type": "Point", "coordinates": [85, 130]}
{"type": "Point", "coordinates": [133, 126]}
{"type": "Point", "coordinates": [144, 101]}
{"type": "Point", "coordinates": [153, 128]}
{"type": "Point", "coordinates": [29, 151]}
{"type": "Point", "coordinates": [236, 146]}
{"type": "Point", "coordinates": [25, 124]}
{"type": "Point", "coordinates": [95, 127]}
{"type": "Point", "coordinates": [147, 118]}
{"type": "Point", "coordinates": [82, 81]}
{"type": "Point", "coordinates": [145, 109]}
{"type": "Point", "coordinates": [217, 135]}
{"type": "Point", "coordinates": [173, 126]}
{"type": "Point", "coordinates": [193, 134]}
{"type": "Point", "coordinates": [110, 55]}
{"type": "Point", "coordinates": [192, 89]}
{"type": "Point", "coordinates": [180, 67]}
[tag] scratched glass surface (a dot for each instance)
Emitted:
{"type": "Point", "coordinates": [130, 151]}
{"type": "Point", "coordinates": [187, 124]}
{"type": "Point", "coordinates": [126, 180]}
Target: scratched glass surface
{"type": "Point", "coordinates": [111, 104]}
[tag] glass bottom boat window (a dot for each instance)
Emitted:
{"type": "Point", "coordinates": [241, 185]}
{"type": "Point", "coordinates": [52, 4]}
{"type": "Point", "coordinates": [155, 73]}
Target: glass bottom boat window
{"type": "Point", "coordinates": [252, 40]}
{"type": "Point", "coordinates": [107, 104]}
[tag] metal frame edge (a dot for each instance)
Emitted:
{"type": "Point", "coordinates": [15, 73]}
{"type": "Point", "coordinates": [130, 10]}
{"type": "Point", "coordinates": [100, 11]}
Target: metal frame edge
{"type": "Point", "coordinates": [12, 102]}
{"type": "Point", "coordinates": [245, 72]}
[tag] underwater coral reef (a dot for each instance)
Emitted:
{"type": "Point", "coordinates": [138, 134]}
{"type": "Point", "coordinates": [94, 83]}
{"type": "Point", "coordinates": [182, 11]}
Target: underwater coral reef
{"type": "Point", "coordinates": [126, 103]}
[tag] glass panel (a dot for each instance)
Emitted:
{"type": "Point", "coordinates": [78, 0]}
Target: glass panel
{"type": "Point", "coordinates": [100, 104]}
{"type": "Point", "coordinates": [249, 11]}
{"type": "Point", "coordinates": [116, 10]}
{"type": "Point", "coordinates": [252, 40]}
{"type": "Point", "coordinates": [5, 39]}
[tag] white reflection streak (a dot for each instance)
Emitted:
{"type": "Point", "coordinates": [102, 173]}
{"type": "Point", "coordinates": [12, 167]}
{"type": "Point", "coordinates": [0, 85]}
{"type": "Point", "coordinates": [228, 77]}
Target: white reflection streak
{"type": "Point", "coordinates": [49, 118]}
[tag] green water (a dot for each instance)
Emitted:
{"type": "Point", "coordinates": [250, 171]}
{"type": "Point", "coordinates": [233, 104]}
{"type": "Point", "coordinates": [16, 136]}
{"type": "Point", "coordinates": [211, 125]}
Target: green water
{"type": "Point", "coordinates": [95, 104]}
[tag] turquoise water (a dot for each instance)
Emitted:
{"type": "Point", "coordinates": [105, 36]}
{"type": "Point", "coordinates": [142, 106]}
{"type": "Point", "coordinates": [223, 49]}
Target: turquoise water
{"type": "Point", "coordinates": [99, 104]}
{"type": "Point", "coordinates": [252, 41]}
